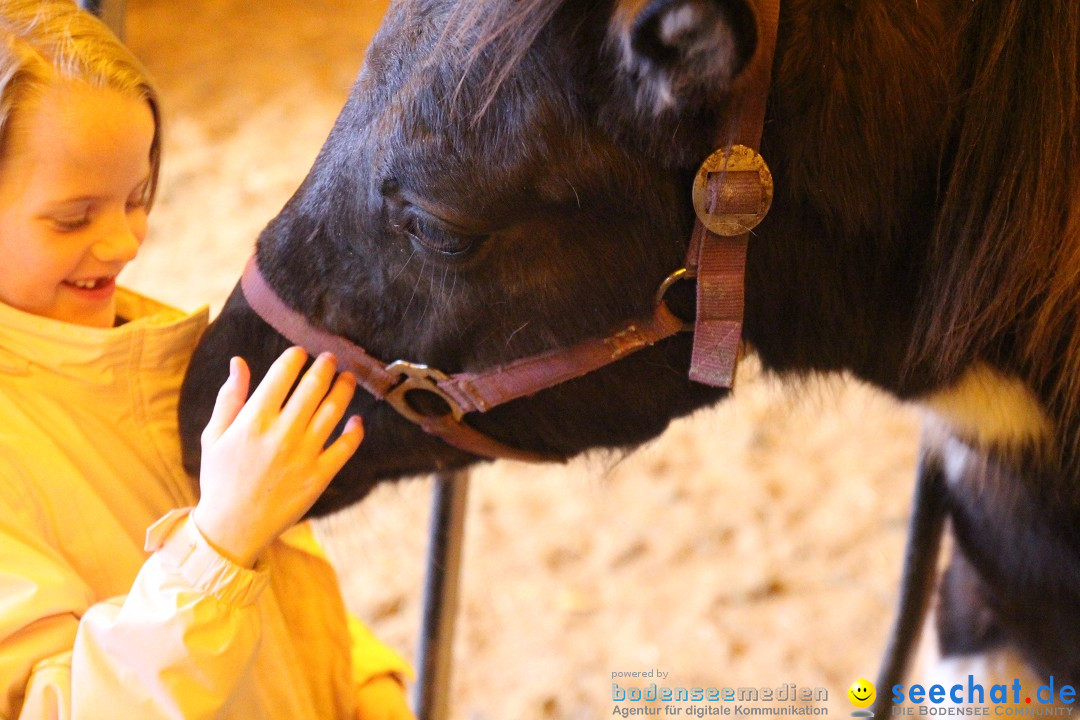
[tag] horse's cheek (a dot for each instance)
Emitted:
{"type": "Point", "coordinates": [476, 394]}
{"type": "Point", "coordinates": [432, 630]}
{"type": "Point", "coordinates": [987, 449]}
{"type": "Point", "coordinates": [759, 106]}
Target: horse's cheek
{"type": "Point", "coordinates": [197, 397]}
{"type": "Point", "coordinates": [236, 332]}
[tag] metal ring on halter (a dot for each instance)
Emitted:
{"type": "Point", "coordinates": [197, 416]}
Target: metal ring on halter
{"type": "Point", "coordinates": [680, 274]}
{"type": "Point", "coordinates": [420, 378]}
{"type": "Point", "coordinates": [725, 162]}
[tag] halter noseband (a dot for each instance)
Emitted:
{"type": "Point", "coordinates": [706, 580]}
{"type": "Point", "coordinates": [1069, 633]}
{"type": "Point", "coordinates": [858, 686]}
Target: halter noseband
{"type": "Point", "coordinates": [732, 193]}
{"type": "Point", "coordinates": [461, 392]}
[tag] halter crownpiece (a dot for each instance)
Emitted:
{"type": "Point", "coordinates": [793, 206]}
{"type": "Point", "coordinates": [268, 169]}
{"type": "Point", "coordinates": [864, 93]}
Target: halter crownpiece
{"type": "Point", "coordinates": [732, 193]}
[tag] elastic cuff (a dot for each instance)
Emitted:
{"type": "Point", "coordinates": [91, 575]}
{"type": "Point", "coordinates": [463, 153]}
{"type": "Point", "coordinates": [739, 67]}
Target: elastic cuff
{"type": "Point", "coordinates": [177, 540]}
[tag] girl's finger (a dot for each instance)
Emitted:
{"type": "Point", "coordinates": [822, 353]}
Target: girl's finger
{"type": "Point", "coordinates": [275, 385]}
{"type": "Point", "coordinates": [230, 400]}
{"type": "Point", "coordinates": [339, 452]}
{"type": "Point", "coordinates": [310, 392]}
{"type": "Point", "coordinates": [332, 409]}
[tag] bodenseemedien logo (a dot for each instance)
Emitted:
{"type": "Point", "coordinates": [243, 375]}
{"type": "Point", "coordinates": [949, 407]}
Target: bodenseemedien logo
{"type": "Point", "coordinates": [973, 698]}
{"type": "Point", "coordinates": [699, 702]}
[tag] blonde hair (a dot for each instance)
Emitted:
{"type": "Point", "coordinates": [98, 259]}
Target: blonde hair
{"type": "Point", "coordinates": [46, 41]}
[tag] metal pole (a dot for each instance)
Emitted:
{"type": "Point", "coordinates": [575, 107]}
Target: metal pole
{"type": "Point", "coordinates": [434, 654]}
{"type": "Point", "coordinates": [929, 512]}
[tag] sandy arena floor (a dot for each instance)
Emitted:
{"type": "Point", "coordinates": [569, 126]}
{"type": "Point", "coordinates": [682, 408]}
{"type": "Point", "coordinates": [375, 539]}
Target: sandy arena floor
{"type": "Point", "coordinates": [756, 544]}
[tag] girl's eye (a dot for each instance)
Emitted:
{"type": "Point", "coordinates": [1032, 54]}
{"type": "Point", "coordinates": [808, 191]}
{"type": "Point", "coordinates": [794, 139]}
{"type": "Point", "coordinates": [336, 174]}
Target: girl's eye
{"type": "Point", "coordinates": [140, 199]}
{"type": "Point", "coordinates": [70, 224]}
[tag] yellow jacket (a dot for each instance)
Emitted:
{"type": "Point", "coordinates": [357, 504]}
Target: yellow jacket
{"type": "Point", "coordinates": [100, 618]}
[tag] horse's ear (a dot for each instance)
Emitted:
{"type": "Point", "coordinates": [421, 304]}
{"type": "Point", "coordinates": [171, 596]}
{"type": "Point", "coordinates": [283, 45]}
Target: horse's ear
{"type": "Point", "coordinates": [684, 52]}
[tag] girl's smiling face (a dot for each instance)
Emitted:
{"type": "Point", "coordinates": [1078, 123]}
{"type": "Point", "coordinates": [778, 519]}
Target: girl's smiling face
{"type": "Point", "coordinates": [73, 186]}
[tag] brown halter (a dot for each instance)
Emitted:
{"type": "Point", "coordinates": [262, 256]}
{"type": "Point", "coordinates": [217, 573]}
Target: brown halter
{"type": "Point", "coordinates": [462, 392]}
{"type": "Point", "coordinates": [732, 193]}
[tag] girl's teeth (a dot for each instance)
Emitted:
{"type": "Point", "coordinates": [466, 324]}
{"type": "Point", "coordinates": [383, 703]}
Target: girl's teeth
{"type": "Point", "coordinates": [89, 284]}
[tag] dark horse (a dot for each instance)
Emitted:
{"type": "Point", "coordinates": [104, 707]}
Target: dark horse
{"type": "Point", "coordinates": [511, 176]}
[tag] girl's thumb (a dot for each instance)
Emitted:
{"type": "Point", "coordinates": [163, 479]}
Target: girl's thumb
{"type": "Point", "coordinates": [230, 400]}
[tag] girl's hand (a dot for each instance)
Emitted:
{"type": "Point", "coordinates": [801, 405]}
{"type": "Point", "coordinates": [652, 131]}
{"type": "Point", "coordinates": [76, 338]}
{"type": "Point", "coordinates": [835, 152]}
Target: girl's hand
{"type": "Point", "coordinates": [264, 462]}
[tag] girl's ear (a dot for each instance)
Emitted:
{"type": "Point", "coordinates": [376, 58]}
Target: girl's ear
{"type": "Point", "coordinates": [684, 54]}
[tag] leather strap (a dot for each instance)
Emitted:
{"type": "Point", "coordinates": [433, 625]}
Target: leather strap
{"type": "Point", "coordinates": [720, 262]}
{"type": "Point", "coordinates": [462, 392]}
{"type": "Point", "coordinates": [370, 373]}
{"type": "Point", "coordinates": [485, 390]}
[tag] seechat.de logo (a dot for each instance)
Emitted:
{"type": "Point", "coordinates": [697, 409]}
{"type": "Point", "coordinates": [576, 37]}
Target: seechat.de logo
{"type": "Point", "coordinates": [973, 693]}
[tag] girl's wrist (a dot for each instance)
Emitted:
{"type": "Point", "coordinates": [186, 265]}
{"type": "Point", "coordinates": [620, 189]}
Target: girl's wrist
{"type": "Point", "coordinates": [223, 538]}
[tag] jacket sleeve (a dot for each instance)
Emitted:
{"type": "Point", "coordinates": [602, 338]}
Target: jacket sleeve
{"type": "Point", "coordinates": [370, 657]}
{"type": "Point", "coordinates": [175, 646]}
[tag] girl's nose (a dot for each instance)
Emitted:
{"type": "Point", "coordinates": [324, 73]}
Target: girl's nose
{"type": "Point", "coordinates": [120, 240]}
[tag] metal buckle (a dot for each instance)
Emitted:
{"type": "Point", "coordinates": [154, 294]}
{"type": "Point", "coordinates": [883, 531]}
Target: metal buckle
{"type": "Point", "coordinates": [680, 274]}
{"type": "Point", "coordinates": [421, 378]}
{"type": "Point", "coordinates": [737, 159]}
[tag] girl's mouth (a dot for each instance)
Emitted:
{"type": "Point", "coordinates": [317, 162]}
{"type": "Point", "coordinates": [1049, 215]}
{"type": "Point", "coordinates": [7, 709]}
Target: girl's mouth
{"type": "Point", "coordinates": [93, 288]}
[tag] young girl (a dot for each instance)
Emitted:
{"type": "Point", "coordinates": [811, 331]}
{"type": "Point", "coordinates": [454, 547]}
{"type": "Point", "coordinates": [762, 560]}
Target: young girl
{"type": "Point", "coordinates": [224, 608]}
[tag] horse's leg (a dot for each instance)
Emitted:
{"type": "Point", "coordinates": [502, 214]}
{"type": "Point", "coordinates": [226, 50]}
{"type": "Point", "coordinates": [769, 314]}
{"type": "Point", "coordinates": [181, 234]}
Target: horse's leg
{"type": "Point", "coordinates": [964, 638]}
{"type": "Point", "coordinates": [920, 570]}
{"type": "Point", "coordinates": [983, 664]}
{"type": "Point", "coordinates": [965, 624]}
{"type": "Point", "coordinates": [967, 649]}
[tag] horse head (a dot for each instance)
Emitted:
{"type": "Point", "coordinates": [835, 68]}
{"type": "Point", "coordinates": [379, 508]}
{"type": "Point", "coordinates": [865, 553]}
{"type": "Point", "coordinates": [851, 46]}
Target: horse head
{"type": "Point", "coordinates": [505, 178]}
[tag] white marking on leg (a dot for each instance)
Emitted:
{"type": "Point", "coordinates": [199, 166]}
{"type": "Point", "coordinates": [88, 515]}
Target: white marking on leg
{"type": "Point", "coordinates": [1000, 666]}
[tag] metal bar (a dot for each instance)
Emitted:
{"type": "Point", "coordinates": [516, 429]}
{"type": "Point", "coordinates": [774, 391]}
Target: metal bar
{"type": "Point", "coordinates": [439, 613]}
{"type": "Point", "coordinates": [110, 11]}
{"type": "Point", "coordinates": [929, 510]}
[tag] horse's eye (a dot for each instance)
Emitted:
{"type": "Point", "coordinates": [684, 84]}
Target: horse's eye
{"type": "Point", "coordinates": [432, 236]}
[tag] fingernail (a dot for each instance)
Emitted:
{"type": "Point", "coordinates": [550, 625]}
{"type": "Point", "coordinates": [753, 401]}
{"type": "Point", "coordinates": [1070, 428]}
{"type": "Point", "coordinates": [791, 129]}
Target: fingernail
{"type": "Point", "coordinates": [234, 366]}
{"type": "Point", "coordinates": [328, 357]}
{"type": "Point", "coordinates": [353, 423]}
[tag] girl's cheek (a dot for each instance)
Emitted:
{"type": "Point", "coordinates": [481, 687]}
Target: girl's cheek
{"type": "Point", "coordinates": [139, 224]}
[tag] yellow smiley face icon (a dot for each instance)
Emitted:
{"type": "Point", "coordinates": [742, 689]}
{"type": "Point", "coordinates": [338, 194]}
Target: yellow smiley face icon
{"type": "Point", "coordinates": [861, 693]}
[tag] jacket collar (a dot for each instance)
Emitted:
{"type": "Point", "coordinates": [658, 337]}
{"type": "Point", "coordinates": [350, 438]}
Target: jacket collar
{"type": "Point", "coordinates": [154, 334]}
